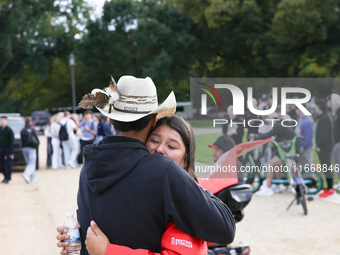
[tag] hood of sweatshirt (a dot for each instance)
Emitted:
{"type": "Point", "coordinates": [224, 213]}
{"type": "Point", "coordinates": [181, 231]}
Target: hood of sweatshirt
{"type": "Point", "coordinates": [110, 160]}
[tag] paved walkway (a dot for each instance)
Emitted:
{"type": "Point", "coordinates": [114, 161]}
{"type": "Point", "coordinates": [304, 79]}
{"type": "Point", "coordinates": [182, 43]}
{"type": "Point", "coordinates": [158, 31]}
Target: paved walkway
{"type": "Point", "coordinates": [30, 213]}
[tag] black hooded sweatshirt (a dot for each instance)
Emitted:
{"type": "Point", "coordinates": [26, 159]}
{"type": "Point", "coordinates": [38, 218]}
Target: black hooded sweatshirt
{"type": "Point", "coordinates": [132, 195]}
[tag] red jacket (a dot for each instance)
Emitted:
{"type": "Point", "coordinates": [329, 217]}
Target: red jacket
{"type": "Point", "coordinates": [174, 242]}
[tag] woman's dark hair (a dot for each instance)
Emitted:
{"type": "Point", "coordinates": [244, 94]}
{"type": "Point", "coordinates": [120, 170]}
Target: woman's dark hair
{"type": "Point", "coordinates": [187, 134]}
{"type": "Point", "coordinates": [136, 125]}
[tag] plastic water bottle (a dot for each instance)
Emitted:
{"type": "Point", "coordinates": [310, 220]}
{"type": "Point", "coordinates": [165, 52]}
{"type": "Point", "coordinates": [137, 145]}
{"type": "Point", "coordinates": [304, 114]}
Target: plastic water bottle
{"type": "Point", "coordinates": [73, 232]}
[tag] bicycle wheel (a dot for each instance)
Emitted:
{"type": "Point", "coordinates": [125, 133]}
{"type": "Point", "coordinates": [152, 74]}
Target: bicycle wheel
{"type": "Point", "coordinates": [254, 180]}
{"type": "Point", "coordinates": [313, 181]}
{"type": "Point", "coordinates": [303, 199]}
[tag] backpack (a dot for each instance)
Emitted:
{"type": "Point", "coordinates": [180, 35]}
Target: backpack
{"type": "Point", "coordinates": [63, 135]}
{"type": "Point", "coordinates": [100, 129]}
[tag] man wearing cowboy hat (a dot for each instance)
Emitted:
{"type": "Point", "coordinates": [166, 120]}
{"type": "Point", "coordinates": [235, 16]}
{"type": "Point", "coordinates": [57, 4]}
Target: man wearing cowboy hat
{"type": "Point", "coordinates": [131, 194]}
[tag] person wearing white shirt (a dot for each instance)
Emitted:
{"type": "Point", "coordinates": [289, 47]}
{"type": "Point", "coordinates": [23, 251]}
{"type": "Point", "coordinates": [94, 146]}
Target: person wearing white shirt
{"type": "Point", "coordinates": [70, 146]}
{"type": "Point", "coordinates": [57, 151]}
{"type": "Point", "coordinates": [48, 135]}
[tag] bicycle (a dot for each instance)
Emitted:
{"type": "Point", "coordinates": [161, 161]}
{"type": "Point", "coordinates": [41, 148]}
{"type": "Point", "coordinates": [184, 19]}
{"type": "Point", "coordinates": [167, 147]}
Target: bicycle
{"type": "Point", "coordinates": [296, 181]}
{"type": "Point", "coordinates": [255, 159]}
{"type": "Point", "coordinates": [311, 179]}
{"type": "Point", "coordinates": [292, 177]}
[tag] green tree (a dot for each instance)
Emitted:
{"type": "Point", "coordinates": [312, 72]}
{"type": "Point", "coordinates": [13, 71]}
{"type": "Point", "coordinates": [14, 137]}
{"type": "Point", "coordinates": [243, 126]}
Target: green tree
{"type": "Point", "coordinates": [31, 34]}
{"type": "Point", "coordinates": [147, 38]}
{"type": "Point", "coordinates": [304, 32]}
{"type": "Point", "coordinates": [270, 38]}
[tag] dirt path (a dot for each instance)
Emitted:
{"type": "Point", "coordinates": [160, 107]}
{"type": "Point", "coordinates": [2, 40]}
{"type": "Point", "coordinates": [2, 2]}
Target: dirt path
{"type": "Point", "coordinates": [29, 215]}
{"type": "Point", "coordinates": [270, 229]}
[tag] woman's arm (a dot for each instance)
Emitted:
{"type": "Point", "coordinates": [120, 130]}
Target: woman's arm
{"type": "Point", "coordinates": [174, 242]}
{"type": "Point", "coordinates": [113, 249]}
{"type": "Point", "coordinates": [97, 243]}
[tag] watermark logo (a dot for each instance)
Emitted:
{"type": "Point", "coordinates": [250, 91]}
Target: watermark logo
{"type": "Point", "coordinates": [204, 97]}
{"type": "Point", "coordinates": [238, 99]}
{"type": "Point", "coordinates": [217, 98]}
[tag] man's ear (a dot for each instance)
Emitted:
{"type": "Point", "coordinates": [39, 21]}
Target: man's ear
{"type": "Point", "coordinates": [153, 122]}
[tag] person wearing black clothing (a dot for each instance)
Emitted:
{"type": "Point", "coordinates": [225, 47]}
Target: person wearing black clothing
{"type": "Point", "coordinates": [29, 150]}
{"type": "Point", "coordinates": [334, 103]}
{"type": "Point", "coordinates": [6, 149]}
{"type": "Point", "coordinates": [131, 194]}
{"type": "Point", "coordinates": [253, 127]}
{"type": "Point", "coordinates": [223, 144]}
{"type": "Point", "coordinates": [324, 143]}
{"type": "Point", "coordinates": [250, 120]}
{"type": "Point", "coordinates": [89, 128]}
{"type": "Point", "coordinates": [281, 133]}
{"type": "Point", "coordinates": [107, 129]}
{"type": "Point", "coordinates": [234, 128]}
{"type": "Point", "coordinates": [292, 112]}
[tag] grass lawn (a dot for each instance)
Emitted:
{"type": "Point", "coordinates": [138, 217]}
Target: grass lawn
{"type": "Point", "coordinates": [203, 152]}
{"type": "Point", "coordinates": [201, 123]}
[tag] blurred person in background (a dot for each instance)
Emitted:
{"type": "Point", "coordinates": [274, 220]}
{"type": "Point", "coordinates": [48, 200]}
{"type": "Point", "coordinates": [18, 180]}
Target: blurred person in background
{"type": "Point", "coordinates": [112, 128]}
{"type": "Point", "coordinates": [324, 143]}
{"type": "Point", "coordinates": [105, 128]}
{"type": "Point", "coordinates": [100, 132]}
{"type": "Point", "coordinates": [78, 134]}
{"type": "Point", "coordinates": [47, 133]}
{"type": "Point", "coordinates": [57, 161]}
{"type": "Point", "coordinates": [234, 127]}
{"type": "Point", "coordinates": [266, 150]}
{"type": "Point", "coordinates": [29, 151]}
{"type": "Point", "coordinates": [108, 127]}
{"type": "Point", "coordinates": [292, 111]}
{"type": "Point", "coordinates": [70, 146]}
{"type": "Point", "coordinates": [264, 102]}
{"type": "Point", "coordinates": [333, 102]}
{"type": "Point", "coordinates": [223, 144]}
{"type": "Point", "coordinates": [281, 133]}
{"type": "Point", "coordinates": [252, 121]}
{"type": "Point", "coordinates": [89, 129]}
{"type": "Point", "coordinates": [6, 149]}
{"type": "Point", "coordinates": [305, 129]}
{"type": "Point", "coordinates": [252, 126]}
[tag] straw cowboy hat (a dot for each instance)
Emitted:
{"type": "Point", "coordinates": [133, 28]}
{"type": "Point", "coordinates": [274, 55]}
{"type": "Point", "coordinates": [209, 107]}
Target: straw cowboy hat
{"type": "Point", "coordinates": [129, 100]}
